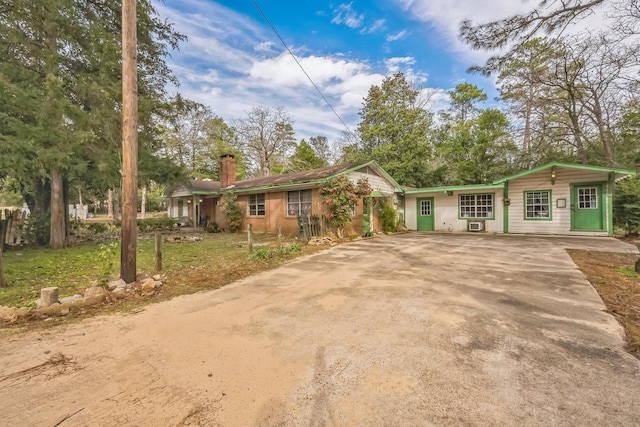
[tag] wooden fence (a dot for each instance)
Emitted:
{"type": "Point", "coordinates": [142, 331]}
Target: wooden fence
{"type": "Point", "coordinates": [312, 226]}
{"type": "Point", "coordinates": [12, 228]}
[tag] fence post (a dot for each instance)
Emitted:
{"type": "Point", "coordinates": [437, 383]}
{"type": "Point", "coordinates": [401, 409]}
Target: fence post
{"type": "Point", "coordinates": [250, 238]}
{"type": "Point", "coordinates": [3, 279]}
{"type": "Point", "coordinates": [279, 236]}
{"type": "Point", "coordinates": [158, 251]}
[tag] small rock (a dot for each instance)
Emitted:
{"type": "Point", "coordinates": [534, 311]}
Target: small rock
{"type": "Point", "coordinates": [148, 284]}
{"type": "Point", "coordinates": [71, 298]}
{"type": "Point", "coordinates": [64, 311]}
{"type": "Point", "coordinates": [113, 284]}
{"type": "Point", "coordinates": [95, 294]}
{"type": "Point", "coordinates": [157, 277]}
{"type": "Point", "coordinates": [48, 319]}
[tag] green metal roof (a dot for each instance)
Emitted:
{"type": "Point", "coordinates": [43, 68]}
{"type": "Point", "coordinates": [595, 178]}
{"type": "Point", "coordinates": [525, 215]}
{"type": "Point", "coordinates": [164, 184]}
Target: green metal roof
{"type": "Point", "coordinates": [454, 188]}
{"type": "Point", "coordinates": [566, 165]}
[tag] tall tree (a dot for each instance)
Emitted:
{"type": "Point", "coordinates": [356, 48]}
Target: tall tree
{"type": "Point", "coordinates": [195, 138]}
{"type": "Point", "coordinates": [321, 147]}
{"type": "Point", "coordinates": [473, 145]}
{"type": "Point", "coordinates": [61, 97]}
{"type": "Point", "coordinates": [393, 131]}
{"type": "Point", "coordinates": [305, 158]}
{"type": "Point", "coordinates": [267, 137]}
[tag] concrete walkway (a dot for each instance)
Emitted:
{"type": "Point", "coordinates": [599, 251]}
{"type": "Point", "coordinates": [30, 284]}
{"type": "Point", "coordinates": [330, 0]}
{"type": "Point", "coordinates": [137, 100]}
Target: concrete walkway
{"type": "Point", "coordinates": [415, 329]}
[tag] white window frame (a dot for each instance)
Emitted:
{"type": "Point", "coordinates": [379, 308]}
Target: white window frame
{"type": "Point", "coordinates": [296, 203]}
{"type": "Point", "coordinates": [476, 206]}
{"type": "Point", "coordinates": [256, 205]}
{"type": "Point", "coordinates": [535, 199]}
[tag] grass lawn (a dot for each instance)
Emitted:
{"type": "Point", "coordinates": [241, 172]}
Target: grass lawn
{"type": "Point", "coordinates": [216, 260]}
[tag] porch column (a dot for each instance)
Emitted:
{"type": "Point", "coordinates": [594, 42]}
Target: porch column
{"type": "Point", "coordinates": [195, 212]}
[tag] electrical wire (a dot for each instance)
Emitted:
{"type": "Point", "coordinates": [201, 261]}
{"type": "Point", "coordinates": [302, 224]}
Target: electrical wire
{"type": "Point", "coordinates": [302, 68]}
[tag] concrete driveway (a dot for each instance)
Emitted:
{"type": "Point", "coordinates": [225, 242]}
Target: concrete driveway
{"type": "Point", "coordinates": [405, 330]}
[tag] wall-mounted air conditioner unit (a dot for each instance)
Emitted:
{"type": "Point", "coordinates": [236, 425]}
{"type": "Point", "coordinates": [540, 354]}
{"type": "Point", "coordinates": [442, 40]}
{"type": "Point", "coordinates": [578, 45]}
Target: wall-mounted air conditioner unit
{"type": "Point", "coordinates": [475, 226]}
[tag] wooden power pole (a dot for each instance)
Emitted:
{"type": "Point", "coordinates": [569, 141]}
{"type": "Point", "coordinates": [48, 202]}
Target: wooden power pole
{"type": "Point", "coordinates": [129, 142]}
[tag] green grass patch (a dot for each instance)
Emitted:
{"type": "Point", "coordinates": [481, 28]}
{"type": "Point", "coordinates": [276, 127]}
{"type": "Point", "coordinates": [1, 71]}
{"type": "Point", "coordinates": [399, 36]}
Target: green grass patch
{"type": "Point", "coordinates": [629, 272]}
{"type": "Point", "coordinates": [189, 266]}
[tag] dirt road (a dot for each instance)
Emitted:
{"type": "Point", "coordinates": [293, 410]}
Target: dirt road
{"type": "Point", "coordinates": [406, 330]}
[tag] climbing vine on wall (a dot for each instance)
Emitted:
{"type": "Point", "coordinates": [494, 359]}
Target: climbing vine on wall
{"type": "Point", "coordinates": [340, 197]}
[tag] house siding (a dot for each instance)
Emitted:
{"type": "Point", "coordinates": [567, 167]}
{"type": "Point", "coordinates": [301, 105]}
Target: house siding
{"type": "Point", "coordinates": [446, 211]}
{"type": "Point", "coordinates": [561, 189]}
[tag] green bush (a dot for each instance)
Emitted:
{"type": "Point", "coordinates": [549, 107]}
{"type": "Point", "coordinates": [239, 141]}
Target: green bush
{"type": "Point", "coordinates": [388, 218]}
{"type": "Point", "coordinates": [39, 228]}
{"type": "Point", "coordinates": [153, 224]}
{"type": "Point", "coordinates": [97, 227]}
{"type": "Point", "coordinates": [232, 211]}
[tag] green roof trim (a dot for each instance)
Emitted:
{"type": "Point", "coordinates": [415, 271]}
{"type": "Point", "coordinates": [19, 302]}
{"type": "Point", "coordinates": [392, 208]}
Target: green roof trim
{"type": "Point", "coordinates": [567, 165]}
{"type": "Point", "coordinates": [469, 187]}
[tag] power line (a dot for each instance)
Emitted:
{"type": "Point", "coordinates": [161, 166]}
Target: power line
{"type": "Point", "coordinates": [302, 68]}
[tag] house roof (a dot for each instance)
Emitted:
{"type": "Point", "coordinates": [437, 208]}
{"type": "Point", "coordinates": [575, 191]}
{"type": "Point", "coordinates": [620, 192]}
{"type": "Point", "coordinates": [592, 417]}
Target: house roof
{"type": "Point", "coordinates": [198, 185]}
{"type": "Point", "coordinates": [620, 173]}
{"type": "Point", "coordinates": [290, 180]}
{"type": "Point", "coordinates": [470, 187]}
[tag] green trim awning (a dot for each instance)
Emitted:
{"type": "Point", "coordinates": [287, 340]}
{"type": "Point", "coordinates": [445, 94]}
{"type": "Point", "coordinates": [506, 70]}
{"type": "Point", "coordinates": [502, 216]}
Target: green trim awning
{"type": "Point", "coordinates": [470, 187]}
{"type": "Point", "coordinates": [621, 172]}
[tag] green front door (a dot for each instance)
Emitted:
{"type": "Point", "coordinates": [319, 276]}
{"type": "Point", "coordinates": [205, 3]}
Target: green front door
{"type": "Point", "coordinates": [425, 213]}
{"type": "Point", "coordinates": [587, 209]}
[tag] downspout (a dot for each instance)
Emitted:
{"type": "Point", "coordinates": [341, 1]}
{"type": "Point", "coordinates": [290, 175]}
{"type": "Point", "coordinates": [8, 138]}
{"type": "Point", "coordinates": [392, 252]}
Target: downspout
{"type": "Point", "coordinates": [505, 209]}
{"type": "Point", "coordinates": [610, 188]}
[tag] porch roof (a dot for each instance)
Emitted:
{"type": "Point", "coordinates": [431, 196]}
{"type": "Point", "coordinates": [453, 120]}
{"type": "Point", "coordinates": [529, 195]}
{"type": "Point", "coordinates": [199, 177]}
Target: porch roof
{"type": "Point", "coordinates": [469, 187]}
{"type": "Point", "coordinates": [620, 173]}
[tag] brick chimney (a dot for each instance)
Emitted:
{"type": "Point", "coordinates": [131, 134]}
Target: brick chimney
{"type": "Point", "coordinates": [227, 170]}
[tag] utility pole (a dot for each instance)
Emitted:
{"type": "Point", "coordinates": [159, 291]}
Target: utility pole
{"type": "Point", "coordinates": [129, 142]}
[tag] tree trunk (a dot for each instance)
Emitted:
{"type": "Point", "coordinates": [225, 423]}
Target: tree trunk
{"type": "Point", "coordinates": [116, 206]}
{"type": "Point", "coordinates": [65, 203]}
{"type": "Point", "coordinates": [58, 224]}
{"type": "Point", "coordinates": [110, 204]}
{"type": "Point", "coordinates": [143, 202]}
{"type": "Point", "coordinates": [3, 280]}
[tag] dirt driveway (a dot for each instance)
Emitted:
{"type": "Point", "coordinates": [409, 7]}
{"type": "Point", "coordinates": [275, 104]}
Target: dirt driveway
{"type": "Point", "coordinates": [405, 330]}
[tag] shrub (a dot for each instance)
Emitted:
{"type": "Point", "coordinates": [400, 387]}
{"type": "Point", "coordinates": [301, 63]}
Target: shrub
{"type": "Point", "coordinates": [388, 218]}
{"type": "Point", "coordinates": [39, 228]}
{"type": "Point", "coordinates": [232, 211]}
{"type": "Point", "coordinates": [152, 224]}
{"type": "Point", "coordinates": [107, 256]}
{"type": "Point", "coordinates": [97, 227]}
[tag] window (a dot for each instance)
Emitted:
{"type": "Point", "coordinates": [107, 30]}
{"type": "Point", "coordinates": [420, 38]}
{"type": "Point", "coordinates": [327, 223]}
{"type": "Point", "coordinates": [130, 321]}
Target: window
{"type": "Point", "coordinates": [256, 204]}
{"type": "Point", "coordinates": [588, 198]}
{"type": "Point", "coordinates": [476, 206]}
{"type": "Point", "coordinates": [299, 202]}
{"type": "Point", "coordinates": [425, 207]}
{"type": "Point", "coordinates": [537, 204]}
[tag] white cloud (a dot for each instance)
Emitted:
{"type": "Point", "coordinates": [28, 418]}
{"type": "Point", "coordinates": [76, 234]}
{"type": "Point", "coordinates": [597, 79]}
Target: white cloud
{"type": "Point", "coordinates": [398, 36]}
{"type": "Point", "coordinates": [378, 25]}
{"type": "Point", "coordinates": [394, 64]}
{"type": "Point", "coordinates": [446, 19]}
{"type": "Point", "coordinates": [263, 47]}
{"type": "Point", "coordinates": [344, 14]}
{"type": "Point", "coordinates": [232, 64]}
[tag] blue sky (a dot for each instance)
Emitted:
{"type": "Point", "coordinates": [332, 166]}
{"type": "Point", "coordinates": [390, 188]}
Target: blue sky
{"type": "Point", "coordinates": [233, 61]}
